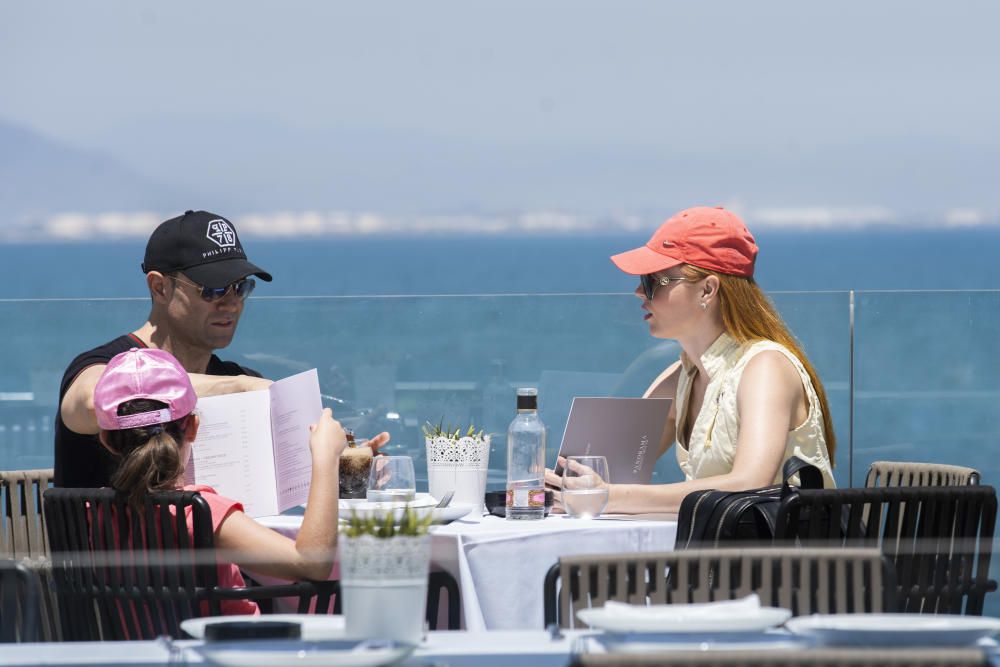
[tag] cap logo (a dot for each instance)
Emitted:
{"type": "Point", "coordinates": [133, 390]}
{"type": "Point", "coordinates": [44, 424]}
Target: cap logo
{"type": "Point", "coordinates": [221, 233]}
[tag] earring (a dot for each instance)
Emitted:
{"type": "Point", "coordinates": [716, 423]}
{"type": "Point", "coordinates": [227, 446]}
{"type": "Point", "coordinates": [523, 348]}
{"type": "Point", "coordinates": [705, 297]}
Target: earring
{"type": "Point", "coordinates": [704, 305]}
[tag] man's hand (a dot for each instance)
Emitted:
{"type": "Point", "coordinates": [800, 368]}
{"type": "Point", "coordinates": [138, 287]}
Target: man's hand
{"type": "Point", "coordinates": [378, 441]}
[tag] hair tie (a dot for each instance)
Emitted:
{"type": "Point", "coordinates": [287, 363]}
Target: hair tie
{"type": "Point", "coordinates": [155, 429]}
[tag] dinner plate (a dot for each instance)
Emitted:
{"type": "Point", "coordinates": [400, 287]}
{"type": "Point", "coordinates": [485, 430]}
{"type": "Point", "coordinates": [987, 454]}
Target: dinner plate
{"type": "Point", "coordinates": [894, 629]}
{"type": "Point", "coordinates": [298, 653]}
{"type": "Point", "coordinates": [645, 642]}
{"type": "Point", "coordinates": [423, 503]}
{"type": "Point", "coordinates": [673, 619]}
{"type": "Point", "coordinates": [314, 626]}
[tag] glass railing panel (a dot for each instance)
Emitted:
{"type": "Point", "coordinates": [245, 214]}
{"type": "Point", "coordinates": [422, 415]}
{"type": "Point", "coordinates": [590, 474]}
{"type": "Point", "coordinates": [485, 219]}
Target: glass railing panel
{"type": "Point", "coordinates": [392, 363]}
{"type": "Point", "coordinates": [927, 379]}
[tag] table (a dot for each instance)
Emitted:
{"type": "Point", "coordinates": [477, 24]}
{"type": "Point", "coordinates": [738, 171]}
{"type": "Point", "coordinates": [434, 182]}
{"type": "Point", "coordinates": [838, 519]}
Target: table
{"type": "Point", "coordinates": [456, 649]}
{"type": "Point", "coordinates": [500, 565]}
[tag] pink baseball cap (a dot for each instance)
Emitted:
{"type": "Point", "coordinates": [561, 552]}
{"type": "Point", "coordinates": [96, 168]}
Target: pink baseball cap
{"type": "Point", "coordinates": [704, 236]}
{"type": "Point", "coordinates": [143, 373]}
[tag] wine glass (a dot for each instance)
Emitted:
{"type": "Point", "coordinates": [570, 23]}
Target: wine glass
{"type": "Point", "coordinates": [391, 479]}
{"type": "Point", "coordinates": [585, 486]}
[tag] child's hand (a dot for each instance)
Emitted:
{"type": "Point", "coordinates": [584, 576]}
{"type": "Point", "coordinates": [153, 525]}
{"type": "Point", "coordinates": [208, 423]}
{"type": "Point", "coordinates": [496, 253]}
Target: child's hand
{"type": "Point", "coordinates": [327, 437]}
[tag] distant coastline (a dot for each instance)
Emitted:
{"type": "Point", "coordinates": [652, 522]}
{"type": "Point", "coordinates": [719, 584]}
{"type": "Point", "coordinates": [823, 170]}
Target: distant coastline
{"type": "Point", "coordinates": [77, 226]}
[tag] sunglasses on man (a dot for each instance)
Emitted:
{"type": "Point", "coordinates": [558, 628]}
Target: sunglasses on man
{"type": "Point", "coordinates": [651, 281]}
{"type": "Point", "coordinates": [242, 288]}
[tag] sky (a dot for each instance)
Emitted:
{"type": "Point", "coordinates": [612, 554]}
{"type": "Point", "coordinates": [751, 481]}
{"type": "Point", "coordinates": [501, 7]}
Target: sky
{"type": "Point", "coordinates": [577, 105]}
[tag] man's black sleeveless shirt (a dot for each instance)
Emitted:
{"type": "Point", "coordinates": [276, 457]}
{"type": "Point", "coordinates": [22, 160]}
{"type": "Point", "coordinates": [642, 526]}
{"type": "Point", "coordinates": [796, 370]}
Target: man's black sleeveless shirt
{"type": "Point", "coordinates": [80, 460]}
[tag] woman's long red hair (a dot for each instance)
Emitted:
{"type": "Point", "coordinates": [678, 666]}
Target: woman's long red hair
{"type": "Point", "coordinates": [748, 315]}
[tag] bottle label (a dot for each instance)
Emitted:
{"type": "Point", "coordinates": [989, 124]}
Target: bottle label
{"type": "Point", "coordinates": [526, 497]}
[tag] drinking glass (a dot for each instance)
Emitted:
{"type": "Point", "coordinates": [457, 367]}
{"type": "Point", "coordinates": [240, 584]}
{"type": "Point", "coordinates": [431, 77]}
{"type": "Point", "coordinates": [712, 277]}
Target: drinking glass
{"type": "Point", "coordinates": [585, 486]}
{"type": "Point", "coordinates": [392, 479]}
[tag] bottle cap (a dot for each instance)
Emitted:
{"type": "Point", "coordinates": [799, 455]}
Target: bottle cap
{"type": "Point", "coordinates": [527, 398]}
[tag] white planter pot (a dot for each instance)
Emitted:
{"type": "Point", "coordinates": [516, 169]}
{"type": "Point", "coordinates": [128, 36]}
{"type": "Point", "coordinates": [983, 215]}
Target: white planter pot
{"type": "Point", "coordinates": [461, 466]}
{"type": "Point", "coordinates": [384, 584]}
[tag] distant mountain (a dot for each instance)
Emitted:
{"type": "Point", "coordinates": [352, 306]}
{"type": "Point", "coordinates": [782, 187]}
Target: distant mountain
{"type": "Point", "coordinates": [238, 165]}
{"type": "Point", "coordinates": [263, 164]}
{"type": "Point", "coordinates": [40, 176]}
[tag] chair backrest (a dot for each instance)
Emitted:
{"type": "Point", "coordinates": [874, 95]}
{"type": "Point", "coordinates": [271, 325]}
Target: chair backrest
{"type": "Point", "coordinates": [19, 602]}
{"type": "Point", "coordinates": [804, 580]}
{"type": "Point", "coordinates": [124, 574]}
{"type": "Point", "coordinates": [22, 525]}
{"type": "Point", "coordinates": [940, 539]}
{"type": "Point", "coordinates": [23, 535]}
{"type": "Point", "coordinates": [908, 473]}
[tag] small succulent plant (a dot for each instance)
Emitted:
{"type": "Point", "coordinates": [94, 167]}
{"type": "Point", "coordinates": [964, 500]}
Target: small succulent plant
{"type": "Point", "coordinates": [439, 430]}
{"type": "Point", "coordinates": [385, 525]}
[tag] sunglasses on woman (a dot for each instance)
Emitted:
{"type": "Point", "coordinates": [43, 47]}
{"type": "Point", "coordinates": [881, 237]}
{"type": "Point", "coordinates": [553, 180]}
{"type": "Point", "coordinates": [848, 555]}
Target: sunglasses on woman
{"type": "Point", "coordinates": [651, 281]}
{"type": "Point", "coordinates": [242, 288]}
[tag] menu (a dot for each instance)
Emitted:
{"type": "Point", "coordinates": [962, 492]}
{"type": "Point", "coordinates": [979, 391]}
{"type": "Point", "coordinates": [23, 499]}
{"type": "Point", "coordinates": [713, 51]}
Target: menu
{"type": "Point", "coordinates": [254, 446]}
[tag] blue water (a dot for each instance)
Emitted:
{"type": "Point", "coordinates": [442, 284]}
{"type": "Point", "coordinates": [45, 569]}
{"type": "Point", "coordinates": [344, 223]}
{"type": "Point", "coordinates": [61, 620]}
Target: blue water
{"type": "Point", "coordinates": [857, 259]}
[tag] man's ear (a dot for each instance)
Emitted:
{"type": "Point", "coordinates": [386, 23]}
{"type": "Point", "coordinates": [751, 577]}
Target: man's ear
{"type": "Point", "coordinates": [159, 286]}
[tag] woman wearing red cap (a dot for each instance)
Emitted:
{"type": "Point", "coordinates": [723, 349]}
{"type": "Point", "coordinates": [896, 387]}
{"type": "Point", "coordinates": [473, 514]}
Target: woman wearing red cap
{"type": "Point", "coordinates": [144, 402]}
{"type": "Point", "coordinates": [745, 397]}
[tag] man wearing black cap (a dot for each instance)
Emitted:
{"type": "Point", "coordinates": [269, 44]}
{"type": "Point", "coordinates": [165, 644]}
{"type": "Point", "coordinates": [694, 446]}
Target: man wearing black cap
{"type": "Point", "coordinates": [198, 278]}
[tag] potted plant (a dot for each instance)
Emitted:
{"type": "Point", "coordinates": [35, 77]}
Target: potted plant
{"type": "Point", "coordinates": [384, 565]}
{"type": "Point", "coordinates": [457, 460]}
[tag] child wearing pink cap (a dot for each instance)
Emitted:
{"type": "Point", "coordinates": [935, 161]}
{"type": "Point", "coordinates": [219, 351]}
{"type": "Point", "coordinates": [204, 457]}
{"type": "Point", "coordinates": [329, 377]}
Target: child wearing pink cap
{"type": "Point", "coordinates": [145, 403]}
{"type": "Point", "coordinates": [745, 397]}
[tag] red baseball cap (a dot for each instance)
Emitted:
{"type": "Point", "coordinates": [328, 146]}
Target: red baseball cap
{"type": "Point", "coordinates": [704, 236]}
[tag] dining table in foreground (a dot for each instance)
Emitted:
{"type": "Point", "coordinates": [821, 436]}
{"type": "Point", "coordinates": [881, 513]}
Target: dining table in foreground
{"type": "Point", "coordinates": [500, 565]}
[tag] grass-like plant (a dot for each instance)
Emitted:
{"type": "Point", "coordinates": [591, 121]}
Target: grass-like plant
{"type": "Point", "coordinates": [385, 525]}
{"type": "Point", "coordinates": [439, 430]}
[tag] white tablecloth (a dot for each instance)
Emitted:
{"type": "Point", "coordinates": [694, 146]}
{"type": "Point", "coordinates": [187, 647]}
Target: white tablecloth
{"type": "Point", "coordinates": [500, 565]}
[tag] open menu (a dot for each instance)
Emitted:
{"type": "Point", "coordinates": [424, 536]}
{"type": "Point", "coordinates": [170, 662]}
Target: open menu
{"type": "Point", "coordinates": [254, 446]}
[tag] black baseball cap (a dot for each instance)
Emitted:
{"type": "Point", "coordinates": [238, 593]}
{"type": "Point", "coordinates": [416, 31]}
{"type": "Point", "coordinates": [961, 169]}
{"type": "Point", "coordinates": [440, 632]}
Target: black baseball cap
{"type": "Point", "coordinates": [204, 246]}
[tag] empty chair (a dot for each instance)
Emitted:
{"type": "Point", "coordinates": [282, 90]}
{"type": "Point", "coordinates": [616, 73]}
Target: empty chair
{"type": "Point", "coordinates": [908, 473]}
{"type": "Point", "coordinates": [19, 601]}
{"type": "Point", "coordinates": [803, 580]}
{"type": "Point", "coordinates": [124, 574]}
{"type": "Point", "coordinates": [940, 539]}
{"type": "Point", "coordinates": [23, 537]}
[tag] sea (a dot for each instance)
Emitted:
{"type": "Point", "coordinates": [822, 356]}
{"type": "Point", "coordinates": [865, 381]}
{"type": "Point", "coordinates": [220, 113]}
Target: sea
{"type": "Point", "coordinates": [894, 258]}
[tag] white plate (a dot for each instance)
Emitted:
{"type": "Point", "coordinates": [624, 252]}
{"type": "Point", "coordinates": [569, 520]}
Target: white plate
{"type": "Point", "coordinates": [314, 626]}
{"type": "Point", "coordinates": [292, 653]}
{"type": "Point", "coordinates": [894, 629]}
{"type": "Point", "coordinates": [451, 513]}
{"type": "Point", "coordinates": [423, 503]}
{"type": "Point", "coordinates": [674, 620]}
{"type": "Point", "coordinates": [645, 642]}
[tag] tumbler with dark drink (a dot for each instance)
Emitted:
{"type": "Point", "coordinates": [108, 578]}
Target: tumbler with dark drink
{"type": "Point", "coordinates": [355, 465]}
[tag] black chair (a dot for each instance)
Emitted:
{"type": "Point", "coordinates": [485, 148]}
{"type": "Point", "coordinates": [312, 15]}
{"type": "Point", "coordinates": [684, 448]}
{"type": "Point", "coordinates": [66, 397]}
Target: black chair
{"type": "Point", "coordinates": [806, 581]}
{"type": "Point", "coordinates": [20, 596]}
{"type": "Point", "coordinates": [940, 539]}
{"type": "Point", "coordinates": [121, 574]}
